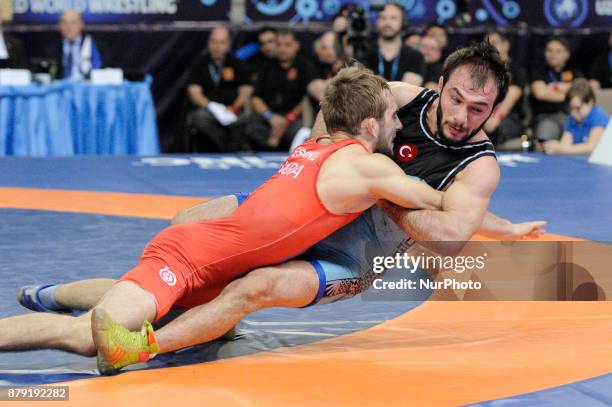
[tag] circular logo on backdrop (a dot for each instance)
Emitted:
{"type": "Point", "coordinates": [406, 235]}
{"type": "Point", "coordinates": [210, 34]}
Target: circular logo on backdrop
{"type": "Point", "coordinates": [167, 276]}
{"type": "Point", "coordinates": [406, 152]}
{"type": "Point", "coordinates": [306, 9]}
{"type": "Point", "coordinates": [331, 7]}
{"type": "Point", "coordinates": [446, 9]}
{"type": "Point", "coordinates": [566, 12]}
{"type": "Point", "coordinates": [272, 7]}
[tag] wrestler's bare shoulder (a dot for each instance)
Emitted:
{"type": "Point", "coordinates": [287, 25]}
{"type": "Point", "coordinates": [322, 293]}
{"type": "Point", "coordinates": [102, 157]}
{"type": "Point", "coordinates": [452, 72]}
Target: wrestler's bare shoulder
{"type": "Point", "coordinates": [404, 92]}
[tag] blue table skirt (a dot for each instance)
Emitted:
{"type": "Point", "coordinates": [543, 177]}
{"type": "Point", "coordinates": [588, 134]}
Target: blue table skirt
{"type": "Point", "coordinates": [69, 118]}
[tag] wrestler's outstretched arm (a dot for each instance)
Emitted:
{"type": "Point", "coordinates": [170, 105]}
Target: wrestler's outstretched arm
{"type": "Point", "coordinates": [386, 180]}
{"type": "Point", "coordinates": [465, 204]}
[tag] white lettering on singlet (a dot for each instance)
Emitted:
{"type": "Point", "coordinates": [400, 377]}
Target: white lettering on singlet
{"type": "Point", "coordinates": [291, 168]}
{"type": "Point", "coordinates": [301, 152]}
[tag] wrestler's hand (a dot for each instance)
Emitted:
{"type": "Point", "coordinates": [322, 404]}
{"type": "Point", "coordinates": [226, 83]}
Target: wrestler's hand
{"type": "Point", "coordinates": [526, 230]}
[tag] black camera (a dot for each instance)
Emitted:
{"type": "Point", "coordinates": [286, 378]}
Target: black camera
{"type": "Point", "coordinates": [357, 22]}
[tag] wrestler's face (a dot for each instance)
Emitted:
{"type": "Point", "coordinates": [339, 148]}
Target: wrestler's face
{"type": "Point", "coordinates": [388, 127]}
{"type": "Point", "coordinates": [464, 106]}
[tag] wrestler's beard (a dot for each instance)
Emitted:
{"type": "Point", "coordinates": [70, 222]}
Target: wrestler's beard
{"type": "Point", "coordinates": [384, 147]}
{"type": "Point", "coordinates": [449, 141]}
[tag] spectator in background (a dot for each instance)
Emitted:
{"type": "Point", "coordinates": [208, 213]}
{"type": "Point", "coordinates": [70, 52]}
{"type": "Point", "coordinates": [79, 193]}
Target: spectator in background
{"type": "Point", "coordinates": [78, 54]}
{"type": "Point", "coordinates": [217, 80]}
{"type": "Point", "coordinates": [585, 125]}
{"type": "Point", "coordinates": [277, 99]}
{"type": "Point", "coordinates": [12, 54]}
{"type": "Point", "coordinates": [340, 21]}
{"type": "Point", "coordinates": [328, 63]}
{"type": "Point", "coordinates": [506, 121]}
{"type": "Point", "coordinates": [432, 53]}
{"type": "Point", "coordinates": [413, 41]}
{"type": "Point", "coordinates": [601, 70]}
{"type": "Point", "coordinates": [390, 58]}
{"type": "Point", "coordinates": [267, 39]}
{"type": "Point", "coordinates": [549, 86]}
{"type": "Point", "coordinates": [438, 32]}
{"type": "Point", "coordinates": [340, 26]}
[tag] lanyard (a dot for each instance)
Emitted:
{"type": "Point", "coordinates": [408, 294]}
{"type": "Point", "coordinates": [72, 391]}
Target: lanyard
{"type": "Point", "coordinates": [215, 72]}
{"type": "Point", "coordinates": [552, 75]}
{"type": "Point", "coordinates": [394, 66]}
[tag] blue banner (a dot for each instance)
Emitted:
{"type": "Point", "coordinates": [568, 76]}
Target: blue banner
{"type": "Point", "coordinates": [505, 13]}
{"type": "Point", "coordinates": [121, 11]}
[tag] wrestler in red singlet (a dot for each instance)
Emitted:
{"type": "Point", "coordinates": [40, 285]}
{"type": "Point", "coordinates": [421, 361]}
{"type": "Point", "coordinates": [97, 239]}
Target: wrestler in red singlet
{"type": "Point", "coordinates": [187, 265]}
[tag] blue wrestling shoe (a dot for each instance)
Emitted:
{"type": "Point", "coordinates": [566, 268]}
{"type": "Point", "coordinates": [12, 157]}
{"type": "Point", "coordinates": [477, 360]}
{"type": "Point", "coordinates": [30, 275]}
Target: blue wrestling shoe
{"type": "Point", "coordinates": [28, 298]}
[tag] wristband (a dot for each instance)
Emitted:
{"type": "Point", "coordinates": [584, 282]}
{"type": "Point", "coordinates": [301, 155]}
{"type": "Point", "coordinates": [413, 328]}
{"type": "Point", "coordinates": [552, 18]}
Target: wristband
{"type": "Point", "coordinates": [267, 115]}
{"type": "Point", "coordinates": [235, 108]}
{"type": "Point", "coordinates": [290, 117]}
{"type": "Point", "coordinates": [555, 86]}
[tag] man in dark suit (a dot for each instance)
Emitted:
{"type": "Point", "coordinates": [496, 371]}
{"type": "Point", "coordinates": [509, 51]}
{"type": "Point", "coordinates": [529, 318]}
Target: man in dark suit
{"type": "Point", "coordinates": [78, 53]}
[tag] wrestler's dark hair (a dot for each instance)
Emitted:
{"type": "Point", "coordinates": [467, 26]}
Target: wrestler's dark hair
{"type": "Point", "coordinates": [484, 60]}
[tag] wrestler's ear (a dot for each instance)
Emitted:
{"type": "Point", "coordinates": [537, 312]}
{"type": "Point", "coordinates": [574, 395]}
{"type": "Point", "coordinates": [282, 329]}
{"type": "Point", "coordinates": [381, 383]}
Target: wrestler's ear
{"type": "Point", "coordinates": [370, 127]}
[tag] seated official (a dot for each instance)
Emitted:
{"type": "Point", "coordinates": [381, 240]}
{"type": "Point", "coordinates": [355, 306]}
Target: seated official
{"type": "Point", "coordinates": [277, 99]}
{"type": "Point", "coordinates": [217, 89]}
{"type": "Point", "coordinates": [79, 53]}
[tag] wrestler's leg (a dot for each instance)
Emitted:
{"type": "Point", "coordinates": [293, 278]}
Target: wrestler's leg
{"type": "Point", "coordinates": [82, 295]}
{"type": "Point", "coordinates": [126, 302]}
{"type": "Point", "coordinates": [293, 284]}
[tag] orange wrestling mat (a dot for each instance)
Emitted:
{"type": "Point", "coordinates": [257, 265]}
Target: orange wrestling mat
{"type": "Point", "coordinates": [441, 353]}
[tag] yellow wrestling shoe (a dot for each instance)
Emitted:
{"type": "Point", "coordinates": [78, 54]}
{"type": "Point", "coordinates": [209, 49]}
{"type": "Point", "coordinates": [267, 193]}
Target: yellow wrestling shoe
{"type": "Point", "coordinates": [117, 346]}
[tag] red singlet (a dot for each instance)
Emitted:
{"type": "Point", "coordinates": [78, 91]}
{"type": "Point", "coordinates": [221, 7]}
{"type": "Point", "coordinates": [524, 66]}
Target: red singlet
{"type": "Point", "coordinates": [187, 265]}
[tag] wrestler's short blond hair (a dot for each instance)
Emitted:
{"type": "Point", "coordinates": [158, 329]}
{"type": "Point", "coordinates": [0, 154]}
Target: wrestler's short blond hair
{"type": "Point", "coordinates": [352, 96]}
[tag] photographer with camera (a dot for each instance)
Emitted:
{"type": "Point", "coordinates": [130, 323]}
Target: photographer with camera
{"type": "Point", "coordinates": [391, 59]}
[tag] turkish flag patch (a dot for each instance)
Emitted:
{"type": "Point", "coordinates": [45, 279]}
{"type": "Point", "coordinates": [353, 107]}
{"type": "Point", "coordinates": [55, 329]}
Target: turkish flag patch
{"type": "Point", "coordinates": [406, 152]}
